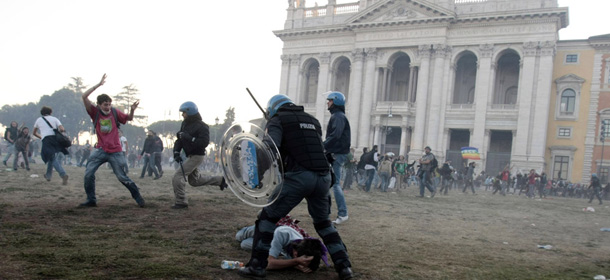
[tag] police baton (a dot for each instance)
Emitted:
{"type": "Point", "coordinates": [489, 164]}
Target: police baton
{"type": "Point", "coordinates": [259, 106]}
{"type": "Point", "coordinates": [183, 174]}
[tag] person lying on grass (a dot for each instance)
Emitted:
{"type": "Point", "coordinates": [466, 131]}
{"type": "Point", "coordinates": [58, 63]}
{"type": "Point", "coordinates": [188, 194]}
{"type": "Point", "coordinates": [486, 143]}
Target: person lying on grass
{"type": "Point", "coordinates": [298, 249]}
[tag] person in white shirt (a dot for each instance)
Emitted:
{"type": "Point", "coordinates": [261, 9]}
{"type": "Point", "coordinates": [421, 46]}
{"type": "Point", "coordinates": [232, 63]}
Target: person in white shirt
{"type": "Point", "coordinates": [43, 129]}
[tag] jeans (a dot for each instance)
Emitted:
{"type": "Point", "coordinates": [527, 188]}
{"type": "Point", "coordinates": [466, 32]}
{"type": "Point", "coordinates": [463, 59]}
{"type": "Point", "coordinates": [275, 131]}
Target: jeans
{"type": "Point", "coordinates": [16, 159]}
{"type": "Point", "coordinates": [149, 165]}
{"type": "Point", "coordinates": [299, 185]}
{"type": "Point", "coordinates": [54, 163]}
{"type": "Point", "coordinates": [424, 183]}
{"type": "Point", "coordinates": [370, 173]}
{"type": "Point", "coordinates": [10, 149]}
{"type": "Point", "coordinates": [385, 180]}
{"type": "Point", "coordinates": [340, 159]}
{"type": "Point", "coordinates": [117, 162]}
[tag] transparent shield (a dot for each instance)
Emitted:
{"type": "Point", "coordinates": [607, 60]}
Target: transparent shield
{"type": "Point", "coordinates": [251, 168]}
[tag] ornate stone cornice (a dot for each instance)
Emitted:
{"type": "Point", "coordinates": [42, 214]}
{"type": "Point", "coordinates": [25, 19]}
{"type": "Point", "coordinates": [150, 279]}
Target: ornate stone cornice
{"type": "Point", "coordinates": [424, 51]}
{"type": "Point", "coordinates": [371, 53]}
{"type": "Point", "coordinates": [325, 57]}
{"type": "Point", "coordinates": [548, 48]}
{"type": "Point", "coordinates": [487, 50]}
{"type": "Point", "coordinates": [530, 48]}
{"type": "Point", "coordinates": [295, 59]}
{"type": "Point", "coordinates": [358, 54]}
{"type": "Point", "coordinates": [285, 59]}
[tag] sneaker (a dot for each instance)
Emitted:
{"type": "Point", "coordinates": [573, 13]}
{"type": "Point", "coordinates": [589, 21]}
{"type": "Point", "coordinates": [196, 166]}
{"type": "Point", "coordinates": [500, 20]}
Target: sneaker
{"type": "Point", "coordinates": [180, 206]}
{"type": "Point", "coordinates": [432, 195]}
{"type": "Point", "coordinates": [156, 177]}
{"type": "Point", "coordinates": [223, 184]}
{"type": "Point", "coordinates": [340, 219]}
{"type": "Point", "coordinates": [346, 273]}
{"type": "Point", "coordinates": [27, 168]}
{"type": "Point", "coordinates": [4, 162]}
{"type": "Point", "coordinates": [88, 204]}
{"type": "Point", "coordinates": [252, 270]}
{"type": "Point", "coordinates": [141, 202]}
{"type": "Point", "coordinates": [47, 178]}
{"type": "Point", "coordinates": [64, 180]}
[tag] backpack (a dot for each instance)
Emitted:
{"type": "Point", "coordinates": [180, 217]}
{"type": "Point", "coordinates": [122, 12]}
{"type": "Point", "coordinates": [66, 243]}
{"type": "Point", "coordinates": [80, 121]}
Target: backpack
{"type": "Point", "coordinates": [369, 158]}
{"type": "Point", "coordinates": [114, 114]}
{"type": "Point", "coordinates": [433, 164]}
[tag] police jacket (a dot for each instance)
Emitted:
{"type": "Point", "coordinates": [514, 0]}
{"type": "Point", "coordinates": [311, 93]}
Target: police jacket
{"type": "Point", "coordinates": [298, 137]}
{"type": "Point", "coordinates": [338, 132]}
{"type": "Point", "coordinates": [199, 136]}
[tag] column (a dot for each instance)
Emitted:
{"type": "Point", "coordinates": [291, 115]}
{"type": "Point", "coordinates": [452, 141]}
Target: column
{"type": "Point", "coordinates": [404, 127]}
{"type": "Point", "coordinates": [438, 57]}
{"type": "Point", "coordinates": [417, 146]}
{"type": "Point", "coordinates": [323, 86]}
{"type": "Point", "coordinates": [483, 87]}
{"type": "Point", "coordinates": [384, 84]}
{"type": "Point", "coordinates": [355, 93]}
{"type": "Point", "coordinates": [542, 102]}
{"type": "Point", "coordinates": [293, 80]}
{"type": "Point", "coordinates": [526, 87]}
{"type": "Point", "coordinates": [412, 83]}
{"type": "Point", "coordinates": [367, 95]}
{"type": "Point", "coordinates": [285, 74]}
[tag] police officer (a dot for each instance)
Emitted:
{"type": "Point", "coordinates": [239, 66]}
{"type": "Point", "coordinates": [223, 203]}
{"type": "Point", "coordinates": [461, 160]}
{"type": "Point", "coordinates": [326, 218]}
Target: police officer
{"type": "Point", "coordinates": [337, 143]}
{"type": "Point", "coordinates": [297, 136]}
{"type": "Point", "coordinates": [193, 138]}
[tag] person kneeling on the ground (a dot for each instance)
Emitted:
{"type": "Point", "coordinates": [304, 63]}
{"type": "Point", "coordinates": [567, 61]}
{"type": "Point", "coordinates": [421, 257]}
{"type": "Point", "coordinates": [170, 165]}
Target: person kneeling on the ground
{"type": "Point", "coordinates": [299, 249]}
{"type": "Point", "coordinates": [193, 138]}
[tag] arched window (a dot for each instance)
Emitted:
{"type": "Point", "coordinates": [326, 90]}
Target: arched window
{"type": "Point", "coordinates": [342, 76]}
{"type": "Point", "coordinates": [399, 83]}
{"type": "Point", "coordinates": [465, 79]}
{"type": "Point", "coordinates": [568, 100]}
{"type": "Point", "coordinates": [311, 74]}
{"type": "Point", "coordinates": [507, 79]}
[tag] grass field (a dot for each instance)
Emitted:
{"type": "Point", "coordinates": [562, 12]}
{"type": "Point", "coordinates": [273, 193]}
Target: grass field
{"type": "Point", "coordinates": [43, 235]}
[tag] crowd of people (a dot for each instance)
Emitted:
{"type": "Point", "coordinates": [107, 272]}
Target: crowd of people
{"type": "Point", "coordinates": [390, 172]}
{"type": "Point", "coordinates": [314, 169]}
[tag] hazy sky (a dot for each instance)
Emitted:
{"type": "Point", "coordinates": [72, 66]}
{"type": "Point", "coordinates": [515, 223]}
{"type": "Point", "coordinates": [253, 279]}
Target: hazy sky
{"type": "Point", "coordinates": [171, 51]}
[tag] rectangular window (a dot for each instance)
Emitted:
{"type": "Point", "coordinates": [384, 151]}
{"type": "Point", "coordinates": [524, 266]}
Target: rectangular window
{"type": "Point", "coordinates": [607, 130]}
{"type": "Point", "coordinates": [571, 58]}
{"type": "Point", "coordinates": [565, 132]}
{"type": "Point", "coordinates": [560, 167]}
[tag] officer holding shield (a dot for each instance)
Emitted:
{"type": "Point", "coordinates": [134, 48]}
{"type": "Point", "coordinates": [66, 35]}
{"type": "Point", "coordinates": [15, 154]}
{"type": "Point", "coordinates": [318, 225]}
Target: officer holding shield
{"type": "Point", "coordinates": [297, 136]}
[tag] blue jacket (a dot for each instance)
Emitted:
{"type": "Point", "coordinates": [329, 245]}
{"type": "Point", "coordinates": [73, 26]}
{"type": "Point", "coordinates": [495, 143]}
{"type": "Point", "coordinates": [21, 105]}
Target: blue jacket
{"type": "Point", "coordinates": [338, 132]}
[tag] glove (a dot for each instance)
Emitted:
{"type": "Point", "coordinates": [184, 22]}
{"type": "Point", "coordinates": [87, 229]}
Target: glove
{"type": "Point", "coordinates": [185, 135]}
{"type": "Point", "coordinates": [177, 157]}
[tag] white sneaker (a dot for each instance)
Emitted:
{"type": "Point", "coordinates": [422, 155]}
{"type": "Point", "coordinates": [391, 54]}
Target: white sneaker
{"type": "Point", "coordinates": [340, 219]}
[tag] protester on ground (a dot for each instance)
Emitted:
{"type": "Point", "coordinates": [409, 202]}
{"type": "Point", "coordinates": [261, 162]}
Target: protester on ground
{"type": "Point", "coordinates": [43, 129]}
{"type": "Point", "coordinates": [10, 135]}
{"type": "Point", "coordinates": [337, 144]}
{"type": "Point", "coordinates": [300, 250]}
{"type": "Point", "coordinates": [108, 147]}
{"type": "Point", "coordinates": [307, 176]}
{"type": "Point", "coordinates": [193, 138]}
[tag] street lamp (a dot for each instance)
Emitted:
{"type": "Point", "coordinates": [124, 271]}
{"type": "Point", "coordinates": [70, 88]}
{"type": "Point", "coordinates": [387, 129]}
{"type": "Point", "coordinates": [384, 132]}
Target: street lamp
{"type": "Point", "coordinates": [601, 138]}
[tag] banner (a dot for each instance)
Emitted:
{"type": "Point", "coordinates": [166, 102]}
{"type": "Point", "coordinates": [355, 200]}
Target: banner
{"type": "Point", "coordinates": [470, 153]}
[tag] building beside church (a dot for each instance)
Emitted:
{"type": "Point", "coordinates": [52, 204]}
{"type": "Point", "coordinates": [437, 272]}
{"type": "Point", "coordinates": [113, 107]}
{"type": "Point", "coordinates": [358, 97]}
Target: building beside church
{"type": "Point", "coordinates": [489, 74]}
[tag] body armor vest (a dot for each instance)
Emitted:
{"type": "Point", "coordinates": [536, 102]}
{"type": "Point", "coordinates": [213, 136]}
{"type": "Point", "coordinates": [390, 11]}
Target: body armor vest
{"type": "Point", "coordinates": [301, 140]}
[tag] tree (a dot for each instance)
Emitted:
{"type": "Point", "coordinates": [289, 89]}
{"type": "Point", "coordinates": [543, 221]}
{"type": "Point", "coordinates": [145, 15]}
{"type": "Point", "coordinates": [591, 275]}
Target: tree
{"type": "Point", "coordinates": [78, 85]}
{"type": "Point", "coordinates": [217, 131]}
{"type": "Point", "coordinates": [125, 98]}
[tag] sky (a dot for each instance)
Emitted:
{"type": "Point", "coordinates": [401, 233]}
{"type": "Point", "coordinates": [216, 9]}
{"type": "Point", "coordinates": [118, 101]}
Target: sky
{"type": "Point", "coordinates": [207, 52]}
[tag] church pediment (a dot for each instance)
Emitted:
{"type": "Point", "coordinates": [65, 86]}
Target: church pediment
{"type": "Point", "coordinates": [392, 11]}
{"type": "Point", "coordinates": [569, 79]}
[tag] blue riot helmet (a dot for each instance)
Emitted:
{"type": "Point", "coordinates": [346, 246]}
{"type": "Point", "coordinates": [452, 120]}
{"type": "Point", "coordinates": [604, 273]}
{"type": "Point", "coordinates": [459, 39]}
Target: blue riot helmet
{"type": "Point", "coordinates": [275, 103]}
{"type": "Point", "coordinates": [189, 107]}
{"type": "Point", "coordinates": [337, 98]}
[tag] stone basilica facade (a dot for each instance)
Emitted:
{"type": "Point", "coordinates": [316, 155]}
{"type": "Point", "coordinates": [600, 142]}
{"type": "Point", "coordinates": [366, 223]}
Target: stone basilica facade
{"type": "Point", "coordinates": [441, 73]}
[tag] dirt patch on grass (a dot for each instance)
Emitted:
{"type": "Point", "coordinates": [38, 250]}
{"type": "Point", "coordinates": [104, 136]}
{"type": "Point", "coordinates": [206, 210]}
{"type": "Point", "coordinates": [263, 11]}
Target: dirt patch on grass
{"type": "Point", "coordinates": [388, 235]}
